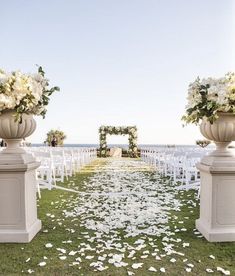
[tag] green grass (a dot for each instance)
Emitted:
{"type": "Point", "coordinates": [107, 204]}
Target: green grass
{"type": "Point", "coordinates": [56, 229]}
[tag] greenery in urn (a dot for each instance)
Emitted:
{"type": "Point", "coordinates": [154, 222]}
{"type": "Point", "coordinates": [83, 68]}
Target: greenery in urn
{"type": "Point", "coordinates": [203, 143]}
{"type": "Point", "coordinates": [25, 93]}
{"type": "Point", "coordinates": [208, 97]}
{"type": "Point", "coordinates": [57, 136]}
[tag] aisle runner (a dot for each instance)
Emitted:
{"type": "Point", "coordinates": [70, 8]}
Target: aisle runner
{"type": "Point", "coordinates": [123, 199]}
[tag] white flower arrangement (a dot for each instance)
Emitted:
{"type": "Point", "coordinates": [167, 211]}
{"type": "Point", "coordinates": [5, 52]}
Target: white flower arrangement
{"type": "Point", "coordinates": [207, 97]}
{"type": "Point", "coordinates": [24, 93]}
{"type": "Point", "coordinates": [123, 130]}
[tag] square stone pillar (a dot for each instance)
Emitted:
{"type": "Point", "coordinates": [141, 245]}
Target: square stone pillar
{"type": "Point", "coordinates": [18, 205]}
{"type": "Point", "coordinates": [217, 199]}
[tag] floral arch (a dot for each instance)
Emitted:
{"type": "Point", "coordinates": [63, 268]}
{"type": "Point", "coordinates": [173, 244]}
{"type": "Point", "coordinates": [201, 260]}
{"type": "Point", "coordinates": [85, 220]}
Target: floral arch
{"type": "Point", "coordinates": [122, 130]}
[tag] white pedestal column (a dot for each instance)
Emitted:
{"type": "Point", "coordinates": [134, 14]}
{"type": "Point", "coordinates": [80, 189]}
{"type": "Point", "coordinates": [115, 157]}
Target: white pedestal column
{"type": "Point", "coordinates": [217, 198]}
{"type": "Point", "coordinates": [18, 206]}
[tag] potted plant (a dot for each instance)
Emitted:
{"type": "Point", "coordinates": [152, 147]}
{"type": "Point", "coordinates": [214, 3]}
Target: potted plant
{"type": "Point", "coordinates": [21, 97]}
{"type": "Point", "coordinates": [211, 103]}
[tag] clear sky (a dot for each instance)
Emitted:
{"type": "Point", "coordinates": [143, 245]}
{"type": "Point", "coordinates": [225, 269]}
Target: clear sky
{"type": "Point", "coordinates": [119, 62]}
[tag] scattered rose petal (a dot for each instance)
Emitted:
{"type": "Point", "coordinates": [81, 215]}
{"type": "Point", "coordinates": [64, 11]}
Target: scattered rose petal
{"type": "Point", "coordinates": [223, 271]}
{"type": "Point", "coordinates": [152, 269]}
{"type": "Point", "coordinates": [42, 263]}
{"type": "Point", "coordinates": [72, 253]}
{"type": "Point", "coordinates": [137, 265]}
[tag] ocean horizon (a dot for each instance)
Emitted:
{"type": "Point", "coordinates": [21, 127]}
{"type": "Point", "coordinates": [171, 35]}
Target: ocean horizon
{"type": "Point", "coordinates": [118, 145]}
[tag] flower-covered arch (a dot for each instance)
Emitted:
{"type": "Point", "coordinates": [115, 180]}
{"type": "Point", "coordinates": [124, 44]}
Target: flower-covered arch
{"type": "Point", "coordinates": [122, 130]}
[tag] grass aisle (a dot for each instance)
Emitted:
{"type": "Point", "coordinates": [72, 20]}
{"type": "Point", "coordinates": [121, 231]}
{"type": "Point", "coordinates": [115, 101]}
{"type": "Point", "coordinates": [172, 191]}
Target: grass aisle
{"type": "Point", "coordinates": [124, 220]}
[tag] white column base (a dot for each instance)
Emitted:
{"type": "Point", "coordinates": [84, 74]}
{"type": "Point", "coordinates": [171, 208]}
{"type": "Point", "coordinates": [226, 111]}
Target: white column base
{"type": "Point", "coordinates": [18, 205]}
{"type": "Point", "coordinates": [20, 236]}
{"type": "Point", "coordinates": [216, 235]}
{"type": "Point", "coordinates": [217, 199]}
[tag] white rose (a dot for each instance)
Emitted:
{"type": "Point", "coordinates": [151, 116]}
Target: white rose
{"type": "Point", "coordinates": [212, 90]}
{"type": "Point", "coordinates": [6, 102]}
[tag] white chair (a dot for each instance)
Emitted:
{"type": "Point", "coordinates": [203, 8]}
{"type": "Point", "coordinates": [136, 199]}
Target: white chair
{"type": "Point", "coordinates": [46, 171]}
{"type": "Point", "coordinates": [70, 164]}
{"type": "Point", "coordinates": [59, 163]}
{"type": "Point", "coordinates": [190, 172]}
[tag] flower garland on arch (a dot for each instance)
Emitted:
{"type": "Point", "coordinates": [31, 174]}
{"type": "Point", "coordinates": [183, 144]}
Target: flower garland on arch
{"type": "Point", "coordinates": [122, 130]}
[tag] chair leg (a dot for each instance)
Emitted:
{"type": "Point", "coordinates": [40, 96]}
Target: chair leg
{"type": "Point", "coordinates": [38, 187]}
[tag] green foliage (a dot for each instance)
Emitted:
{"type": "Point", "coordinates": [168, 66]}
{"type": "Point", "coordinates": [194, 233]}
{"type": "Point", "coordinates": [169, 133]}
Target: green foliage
{"type": "Point", "coordinates": [47, 92]}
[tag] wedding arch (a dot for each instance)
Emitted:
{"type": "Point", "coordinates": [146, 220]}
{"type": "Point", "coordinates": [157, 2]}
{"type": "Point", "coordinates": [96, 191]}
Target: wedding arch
{"type": "Point", "coordinates": [121, 130]}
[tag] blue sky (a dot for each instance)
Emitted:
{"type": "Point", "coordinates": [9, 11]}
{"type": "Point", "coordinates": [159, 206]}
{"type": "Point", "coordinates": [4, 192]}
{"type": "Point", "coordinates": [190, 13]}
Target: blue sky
{"type": "Point", "coordinates": [119, 62]}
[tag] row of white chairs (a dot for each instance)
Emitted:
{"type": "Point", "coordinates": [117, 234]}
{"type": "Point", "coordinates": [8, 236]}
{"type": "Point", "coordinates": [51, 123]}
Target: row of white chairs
{"type": "Point", "coordinates": [57, 164]}
{"type": "Point", "coordinates": [178, 163]}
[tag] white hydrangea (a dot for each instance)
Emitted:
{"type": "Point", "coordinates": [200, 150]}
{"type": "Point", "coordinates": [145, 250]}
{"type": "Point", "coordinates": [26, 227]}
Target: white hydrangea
{"type": "Point", "coordinates": [193, 98]}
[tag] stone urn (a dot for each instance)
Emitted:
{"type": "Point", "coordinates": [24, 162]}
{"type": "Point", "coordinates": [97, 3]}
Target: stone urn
{"type": "Point", "coordinates": [13, 132]}
{"type": "Point", "coordinates": [221, 132]}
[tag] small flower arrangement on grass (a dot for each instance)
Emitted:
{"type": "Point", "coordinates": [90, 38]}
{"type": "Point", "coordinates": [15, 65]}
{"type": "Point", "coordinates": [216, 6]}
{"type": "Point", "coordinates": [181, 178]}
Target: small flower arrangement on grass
{"type": "Point", "coordinates": [58, 136]}
{"type": "Point", "coordinates": [208, 97]}
{"type": "Point", "coordinates": [25, 93]}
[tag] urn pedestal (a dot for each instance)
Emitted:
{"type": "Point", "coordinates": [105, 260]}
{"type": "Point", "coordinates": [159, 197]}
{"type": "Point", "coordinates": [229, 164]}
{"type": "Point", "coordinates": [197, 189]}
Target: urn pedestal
{"type": "Point", "coordinates": [217, 193]}
{"type": "Point", "coordinates": [217, 199]}
{"type": "Point", "coordinates": [18, 206]}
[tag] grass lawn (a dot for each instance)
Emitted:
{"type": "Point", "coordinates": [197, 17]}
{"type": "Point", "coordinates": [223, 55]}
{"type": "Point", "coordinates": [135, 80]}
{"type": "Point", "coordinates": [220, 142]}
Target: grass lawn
{"type": "Point", "coordinates": [73, 249]}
